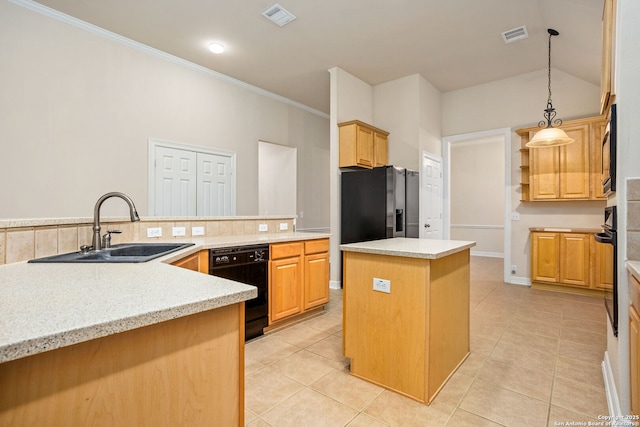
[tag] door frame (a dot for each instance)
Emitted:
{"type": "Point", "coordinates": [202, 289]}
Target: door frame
{"type": "Point", "coordinates": [447, 141]}
{"type": "Point", "coordinates": [438, 159]}
{"type": "Point", "coordinates": [155, 142]}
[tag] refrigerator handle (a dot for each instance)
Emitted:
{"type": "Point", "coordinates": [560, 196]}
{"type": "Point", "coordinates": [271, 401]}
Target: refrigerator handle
{"type": "Point", "coordinates": [399, 219]}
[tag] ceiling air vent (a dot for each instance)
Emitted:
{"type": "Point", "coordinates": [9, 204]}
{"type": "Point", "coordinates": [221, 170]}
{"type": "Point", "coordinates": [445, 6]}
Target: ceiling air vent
{"type": "Point", "coordinates": [279, 15]}
{"type": "Point", "coordinates": [515, 34]}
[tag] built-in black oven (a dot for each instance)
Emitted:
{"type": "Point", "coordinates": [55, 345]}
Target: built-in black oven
{"type": "Point", "coordinates": [609, 153]}
{"type": "Point", "coordinates": [609, 236]}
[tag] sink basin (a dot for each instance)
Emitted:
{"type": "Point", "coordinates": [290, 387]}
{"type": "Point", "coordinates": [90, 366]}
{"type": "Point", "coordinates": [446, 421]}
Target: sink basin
{"type": "Point", "coordinates": [125, 252]}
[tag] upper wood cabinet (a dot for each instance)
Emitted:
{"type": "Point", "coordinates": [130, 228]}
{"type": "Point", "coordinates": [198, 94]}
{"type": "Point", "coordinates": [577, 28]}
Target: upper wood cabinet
{"type": "Point", "coordinates": [607, 74]}
{"type": "Point", "coordinates": [362, 145]}
{"type": "Point", "coordinates": [569, 172]}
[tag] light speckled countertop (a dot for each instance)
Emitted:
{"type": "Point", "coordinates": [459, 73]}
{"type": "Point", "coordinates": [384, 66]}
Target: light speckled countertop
{"type": "Point", "coordinates": [566, 229]}
{"type": "Point", "coordinates": [48, 306]}
{"type": "Point", "coordinates": [411, 248]}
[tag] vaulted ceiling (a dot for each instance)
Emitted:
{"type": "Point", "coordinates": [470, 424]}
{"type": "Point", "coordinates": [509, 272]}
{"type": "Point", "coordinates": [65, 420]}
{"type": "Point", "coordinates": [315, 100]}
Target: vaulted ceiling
{"type": "Point", "coordinates": [452, 43]}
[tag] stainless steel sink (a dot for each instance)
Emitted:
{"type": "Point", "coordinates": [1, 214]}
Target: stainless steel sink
{"type": "Point", "coordinates": [125, 252]}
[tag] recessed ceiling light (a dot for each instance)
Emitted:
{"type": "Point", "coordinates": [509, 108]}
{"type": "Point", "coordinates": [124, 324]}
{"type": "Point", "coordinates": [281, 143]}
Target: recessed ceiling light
{"type": "Point", "coordinates": [216, 47]}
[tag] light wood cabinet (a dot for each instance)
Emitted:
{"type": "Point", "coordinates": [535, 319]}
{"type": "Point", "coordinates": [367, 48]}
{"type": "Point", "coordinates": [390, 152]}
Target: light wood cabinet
{"type": "Point", "coordinates": [634, 348]}
{"type": "Point", "coordinates": [184, 371]}
{"type": "Point", "coordinates": [603, 271]}
{"type": "Point", "coordinates": [316, 273]}
{"type": "Point", "coordinates": [607, 74]}
{"type": "Point", "coordinates": [362, 145]}
{"type": "Point", "coordinates": [198, 261]}
{"type": "Point", "coordinates": [298, 278]}
{"type": "Point", "coordinates": [569, 172]}
{"type": "Point", "coordinates": [285, 278]}
{"type": "Point", "coordinates": [570, 260]}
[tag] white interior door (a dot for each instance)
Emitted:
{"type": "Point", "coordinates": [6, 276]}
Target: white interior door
{"type": "Point", "coordinates": [190, 181]}
{"type": "Point", "coordinates": [175, 182]}
{"type": "Point", "coordinates": [431, 197]}
{"type": "Point", "coordinates": [214, 185]}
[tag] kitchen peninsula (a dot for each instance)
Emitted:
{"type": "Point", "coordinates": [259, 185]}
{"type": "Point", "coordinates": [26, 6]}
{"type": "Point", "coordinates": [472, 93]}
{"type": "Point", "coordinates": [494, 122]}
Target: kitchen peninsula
{"type": "Point", "coordinates": [406, 312]}
{"type": "Point", "coordinates": [125, 344]}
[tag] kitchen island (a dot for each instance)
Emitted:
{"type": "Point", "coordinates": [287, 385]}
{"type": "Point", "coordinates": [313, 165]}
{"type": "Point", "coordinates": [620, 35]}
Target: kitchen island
{"type": "Point", "coordinates": [406, 312]}
{"type": "Point", "coordinates": [124, 344]}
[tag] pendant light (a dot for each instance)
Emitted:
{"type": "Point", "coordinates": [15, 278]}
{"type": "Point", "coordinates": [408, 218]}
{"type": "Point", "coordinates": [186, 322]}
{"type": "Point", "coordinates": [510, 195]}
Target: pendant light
{"type": "Point", "coordinates": [550, 136]}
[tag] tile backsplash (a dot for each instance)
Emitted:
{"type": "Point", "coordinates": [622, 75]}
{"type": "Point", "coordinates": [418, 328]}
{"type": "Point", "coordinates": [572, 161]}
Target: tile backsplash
{"type": "Point", "coordinates": [633, 219]}
{"type": "Point", "coordinates": [25, 240]}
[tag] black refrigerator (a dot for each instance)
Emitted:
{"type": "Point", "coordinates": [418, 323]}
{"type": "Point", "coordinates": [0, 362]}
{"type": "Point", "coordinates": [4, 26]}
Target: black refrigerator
{"type": "Point", "coordinates": [378, 203]}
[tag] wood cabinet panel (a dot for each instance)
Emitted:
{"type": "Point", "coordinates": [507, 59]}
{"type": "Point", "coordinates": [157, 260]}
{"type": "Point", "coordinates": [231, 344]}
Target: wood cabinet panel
{"type": "Point", "coordinates": [285, 291]}
{"type": "Point", "coordinates": [603, 271]}
{"type": "Point", "coordinates": [286, 250]}
{"type": "Point", "coordinates": [570, 172]}
{"type": "Point", "coordinates": [634, 360]}
{"type": "Point", "coordinates": [362, 145]}
{"type": "Point", "coordinates": [574, 164]}
{"type": "Point", "coordinates": [574, 259]}
{"type": "Point", "coordinates": [185, 371]}
{"type": "Point", "coordinates": [198, 261]}
{"type": "Point", "coordinates": [316, 280]}
{"type": "Point", "coordinates": [298, 278]}
{"type": "Point", "coordinates": [545, 253]}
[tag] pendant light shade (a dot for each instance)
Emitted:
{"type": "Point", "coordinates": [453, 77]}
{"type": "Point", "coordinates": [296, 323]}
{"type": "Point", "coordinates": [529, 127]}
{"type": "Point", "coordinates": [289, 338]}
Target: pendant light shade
{"type": "Point", "coordinates": [549, 136]}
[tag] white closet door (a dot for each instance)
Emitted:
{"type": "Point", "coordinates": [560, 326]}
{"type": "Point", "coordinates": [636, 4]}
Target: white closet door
{"type": "Point", "coordinates": [175, 186]}
{"type": "Point", "coordinates": [214, 185]}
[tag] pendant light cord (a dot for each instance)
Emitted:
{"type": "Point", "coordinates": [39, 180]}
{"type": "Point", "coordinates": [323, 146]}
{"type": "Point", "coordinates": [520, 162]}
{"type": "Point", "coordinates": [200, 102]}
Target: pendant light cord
{"type": "Point", "coordinates": [549, 72]}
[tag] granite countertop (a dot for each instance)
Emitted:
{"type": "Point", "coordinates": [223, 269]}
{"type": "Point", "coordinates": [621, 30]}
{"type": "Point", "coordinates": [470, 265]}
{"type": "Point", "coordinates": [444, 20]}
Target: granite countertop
{"type": "Point", "coordinates": [410, 248]}
{"type": "Point", "coordinates": [566, 229]}
{"type": "Point", "coordinates": [48, 306]}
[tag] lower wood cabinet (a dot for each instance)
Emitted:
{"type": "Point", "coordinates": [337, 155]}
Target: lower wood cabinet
{"type": "Point", "coordinates": [198, 261]}
{"type": "Point", "coordinates": [634, 361]}
{"type": "Point", "coordinates": [572, 260]}
{"type": "Point", "coordinates": [298, 278]}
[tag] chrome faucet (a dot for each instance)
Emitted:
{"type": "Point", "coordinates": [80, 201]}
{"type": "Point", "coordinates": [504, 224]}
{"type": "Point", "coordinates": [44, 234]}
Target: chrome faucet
{"type": "Point", "coordinates": [97, 244]}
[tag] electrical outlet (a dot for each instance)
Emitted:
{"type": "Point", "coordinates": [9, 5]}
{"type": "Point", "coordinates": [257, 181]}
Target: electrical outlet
{"type": "Point", "coordinates": [178, 231]}
{"type": "Point", "coordinates": [284, 226]}
{"type": "Point", "coordinates": [154, 232]}
{"type": "Point", "coordinates": [515, 216]}
{"type": "Point", "coordinates": [263, 227]}
{"type": "Point", "coordinates": [197, 231]}
{"type": "Point", "coordinates": [513, 269]}
{"type": "Point", "coordinates": [381, 285]}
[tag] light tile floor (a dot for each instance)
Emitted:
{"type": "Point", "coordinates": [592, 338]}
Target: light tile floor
{"type": "Point", "coordinates": [535, 360]}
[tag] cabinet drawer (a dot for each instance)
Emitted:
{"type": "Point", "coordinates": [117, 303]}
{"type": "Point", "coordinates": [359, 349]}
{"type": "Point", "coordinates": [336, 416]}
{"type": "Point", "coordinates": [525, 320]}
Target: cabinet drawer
{"type": "Point", "coordinates": [286, 250]}
{"type": "Point", "coordinates": [316, 246]}
{"type": "Point", "coordinates": [634, 292]}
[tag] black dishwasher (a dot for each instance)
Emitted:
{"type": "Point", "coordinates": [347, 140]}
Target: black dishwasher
{"type": "Point", "coordinates": [250, 265]}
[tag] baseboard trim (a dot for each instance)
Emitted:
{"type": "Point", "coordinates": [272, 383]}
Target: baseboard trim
{"type": "Point", "coordinates": [335, 284]}
{"type": "Point", "coordinates": [519, 280]}
{"type": "Point", "coordinates": [613, 402]}
{"type": "Point", "coordinates": [487, 254]}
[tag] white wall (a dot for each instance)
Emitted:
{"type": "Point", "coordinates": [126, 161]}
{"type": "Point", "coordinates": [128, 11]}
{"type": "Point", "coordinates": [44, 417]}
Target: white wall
{"type": "Point", "coordinates": [628, 102]}
{"type": "Point", "coordinates": [477, 193]}
{"type": "Point", "coordinates": [277, 167]}
{"type": "Point", "coordinates": [519, 102]}
{"type": "Point", "coordinates": [408, 108]}
{"type": "Point", "coordinates": [77, 109]}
